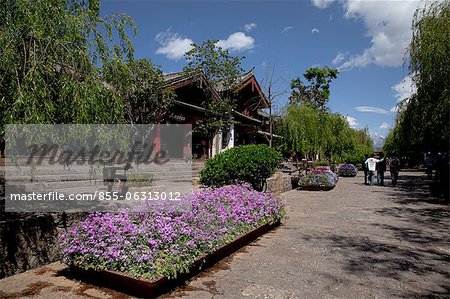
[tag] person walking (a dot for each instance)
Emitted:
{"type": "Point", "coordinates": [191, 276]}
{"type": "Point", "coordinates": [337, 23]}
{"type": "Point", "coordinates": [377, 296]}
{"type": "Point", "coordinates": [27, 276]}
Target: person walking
{"type": "Point", "coordinates": [394, 169]}
{"type": "Point", "coordinates": [429, 161]}
{"type": "Point", "coordinates": [365, 169]}
{"type": "Point", "coordinates": [371, 166]}
{"type": "Point", "coordinates": [381, 169]}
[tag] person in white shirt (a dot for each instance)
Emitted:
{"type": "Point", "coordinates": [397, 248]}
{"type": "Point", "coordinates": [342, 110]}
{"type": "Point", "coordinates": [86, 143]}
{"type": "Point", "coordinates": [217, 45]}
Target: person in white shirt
{"type": "Point", "coordinates": [371, 164]}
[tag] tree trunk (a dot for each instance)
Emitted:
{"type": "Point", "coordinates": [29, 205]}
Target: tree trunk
{"type": "Point", "coordinates": [210, 147]}
{"type": "Point", "coordinates": [270, 125]}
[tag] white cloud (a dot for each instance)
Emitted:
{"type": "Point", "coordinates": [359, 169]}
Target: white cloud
{"type": "Point", "coordinates": [404, 89]}
{"type": "Point", "coordinates": [237, 41]}
{"type": "Point", "coordinates": [322, 3]}
{"type": "Point", "coordinates": [249, 27]}
{"type": "Point", "coordinates": [384, 126]}
{"type": "Point", "coordinates": [357, 61]}
{"type": "Point", "coordinates": [339, 58]}
{"type": "Point", "coordinates": [286, 29]}
{"type": "Point", "coordinates": [172, 45]}
{"type": "Point", "coordinates": [387, 25]}
{"type": "Point", "coordinates": [315, 30]}
{"type": "Point", "coordinates": [371, 109]}
{"type": "Point", "coordinates": [353, 122]}
{"type": "Point", "coordinates": [394, 109]}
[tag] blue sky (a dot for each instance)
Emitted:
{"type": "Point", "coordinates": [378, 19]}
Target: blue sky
{"type": "Point", "coordinates": [365, 40]}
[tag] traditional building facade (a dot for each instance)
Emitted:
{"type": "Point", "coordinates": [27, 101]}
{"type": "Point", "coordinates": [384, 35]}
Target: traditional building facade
{"type": "Point", "coordinates": [192, 90]}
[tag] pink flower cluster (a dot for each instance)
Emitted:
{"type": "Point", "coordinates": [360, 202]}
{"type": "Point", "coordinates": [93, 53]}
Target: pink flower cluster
{"type": "Point", "coordinates": [157, 243]}
{"type": "Point", "coordinates": [319, 178]}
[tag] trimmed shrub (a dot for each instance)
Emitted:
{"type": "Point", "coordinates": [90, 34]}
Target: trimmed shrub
{"type": "Point", "coordinates": [243, 164]}
{"type": "Point", "coordinates": [348, 170]}
{"type": "Point", "coordinates": [318, 179]}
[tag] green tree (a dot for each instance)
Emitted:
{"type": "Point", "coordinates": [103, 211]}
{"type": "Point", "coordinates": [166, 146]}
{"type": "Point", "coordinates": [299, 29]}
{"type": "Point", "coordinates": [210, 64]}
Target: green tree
{"type": "Point", "coordinates": [141, 85]}
{"type": "Point", "coordinates": [215, 62]}
{"type": "Point", "coordinates": [301, 130]}
{"type": "Point", "coordinates": [310, 131]}
{"type": "Point", "coordinates": [317, 92]}
{"type": "Point", "coordinates": [338, 139]}
{"type": "Point", "coordinates": [49, 57]}
{"type": "Point", "coordinates": [363, 146]}
{"type": "Point", "coordinates": [422, 123]}
{"type": "Point", "coordinates": [221, 68]}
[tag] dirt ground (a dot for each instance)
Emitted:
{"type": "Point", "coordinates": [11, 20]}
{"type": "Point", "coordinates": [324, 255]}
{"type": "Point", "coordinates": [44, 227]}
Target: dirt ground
{"type": "Point", "coordinates": [355, 241]}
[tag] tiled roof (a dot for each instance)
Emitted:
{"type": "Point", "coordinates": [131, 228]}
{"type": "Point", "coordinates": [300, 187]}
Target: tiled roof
{"type": "Point", "coordinates": [183, 78]}
{"type": "Point", "coordinates": [179, 79]}
{"type": "Point", "coordinates": [220, 84]}
{"type": "Point", "coordinates": [173, 78]}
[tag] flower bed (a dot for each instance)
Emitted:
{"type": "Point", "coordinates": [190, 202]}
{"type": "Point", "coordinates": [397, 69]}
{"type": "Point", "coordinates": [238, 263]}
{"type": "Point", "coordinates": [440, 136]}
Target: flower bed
{"type": "Point", "coordinates": [152, 288]}
{"type": "Point", "coordinates": [318, 179]}
{"type": "Point", "coordinates": [347, 170]}
{"type": "Point", "coordinates": [164, 244]}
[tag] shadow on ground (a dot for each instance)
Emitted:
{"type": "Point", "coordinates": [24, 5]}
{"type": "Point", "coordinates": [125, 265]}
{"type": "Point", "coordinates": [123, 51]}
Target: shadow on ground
{"type": "Point", "coordinates": [403, 262]}
{"type": "Point", "coordinates": [410, 245]}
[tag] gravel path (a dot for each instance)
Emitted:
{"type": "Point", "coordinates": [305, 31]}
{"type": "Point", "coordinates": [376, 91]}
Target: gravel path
{"type": "Point", "coordinates": [355, 241]}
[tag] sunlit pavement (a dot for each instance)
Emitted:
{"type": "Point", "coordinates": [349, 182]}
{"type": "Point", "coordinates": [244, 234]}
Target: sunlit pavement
{"type": "Point", "coordinates": [355, 241]}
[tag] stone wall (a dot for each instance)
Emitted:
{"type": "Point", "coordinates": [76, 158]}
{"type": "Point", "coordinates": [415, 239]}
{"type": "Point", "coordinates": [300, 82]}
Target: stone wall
{"type": "Point", "coordinates": [279, 182]}
{"type": "Point", "coordinates": [28, 240]}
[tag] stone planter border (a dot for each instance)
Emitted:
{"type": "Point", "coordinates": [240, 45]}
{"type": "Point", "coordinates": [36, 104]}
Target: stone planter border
{"type": "Point", "coordinates": [347, 176]}
{"type": "Point", "coordinates": [315, 188]}
{"type": "Point", "coordinates": [150, 288]}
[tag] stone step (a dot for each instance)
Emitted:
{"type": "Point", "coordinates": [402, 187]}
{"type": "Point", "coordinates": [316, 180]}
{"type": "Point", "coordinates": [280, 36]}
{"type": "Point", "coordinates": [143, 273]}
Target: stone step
{"type": "Point", "coordinates": [87, 177]}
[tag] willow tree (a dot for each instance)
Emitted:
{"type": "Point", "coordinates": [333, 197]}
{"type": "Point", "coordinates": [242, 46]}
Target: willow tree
{"type": "Point", "coordinates": [423, 121]}
{"type": "Point", "coordinates": [363, 146]}
{"type": "Point", "coordinates": [338, 140]}
{"type": "Point", "coordinates": [309, 131]}
{"type": "Point", "coordinates": [51, 58]}
{"type": "Point", "coordinates": [301, 130]}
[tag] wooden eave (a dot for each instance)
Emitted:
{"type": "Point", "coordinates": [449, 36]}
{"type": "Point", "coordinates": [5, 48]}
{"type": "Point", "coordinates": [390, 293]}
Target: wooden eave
{"type": "Point", "coordinates": [190, 106]}
{"type": "Point", "coordinates": [248, 118]}
{"type": "Point", "coordinates": [255, 86]}
{"type": "Point", "coordinates": [185, 79]}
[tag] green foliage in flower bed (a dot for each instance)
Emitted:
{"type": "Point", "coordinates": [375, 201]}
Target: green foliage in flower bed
{"type": "Point", "coordinates": [318, 179]}
{"type": "Point", "coordinates": [157, 243]}
{"type": "Point", "coordinates": [247, 163]}
{"type": "Point", "coordinates": [320, 163]}
{"type": "Point", "coordinates": [347, 170]}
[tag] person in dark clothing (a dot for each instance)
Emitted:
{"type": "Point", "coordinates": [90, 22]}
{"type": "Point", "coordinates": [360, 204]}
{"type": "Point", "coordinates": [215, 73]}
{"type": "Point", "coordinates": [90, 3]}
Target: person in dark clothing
{"type": "Point", "coordinates": [381, 169]}
{"type": "Point", "coordinates": [365, 169]}
{"type": "Point", "coordinates": [429, 162]}
{"type": "Point", "coordinates": [394, 169]}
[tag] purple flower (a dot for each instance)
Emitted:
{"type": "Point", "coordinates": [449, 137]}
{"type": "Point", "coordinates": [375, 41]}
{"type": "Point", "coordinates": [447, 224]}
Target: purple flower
{"type": "Point", "coordinates": [348, 170]}
{"type": "Point", "coordinates": [154, 243]}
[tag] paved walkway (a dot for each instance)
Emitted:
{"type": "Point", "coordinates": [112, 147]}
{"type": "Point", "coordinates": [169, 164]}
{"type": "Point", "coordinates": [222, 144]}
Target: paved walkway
{"type": "Point", "coordinates": [355, 241]}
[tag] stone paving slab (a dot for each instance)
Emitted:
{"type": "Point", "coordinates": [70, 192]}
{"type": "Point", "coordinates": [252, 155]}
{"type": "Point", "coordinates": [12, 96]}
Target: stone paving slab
{"type": "Point", "coordinates": [51, 281]}
{"type": "Point", "coordinates": [355, 241]}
